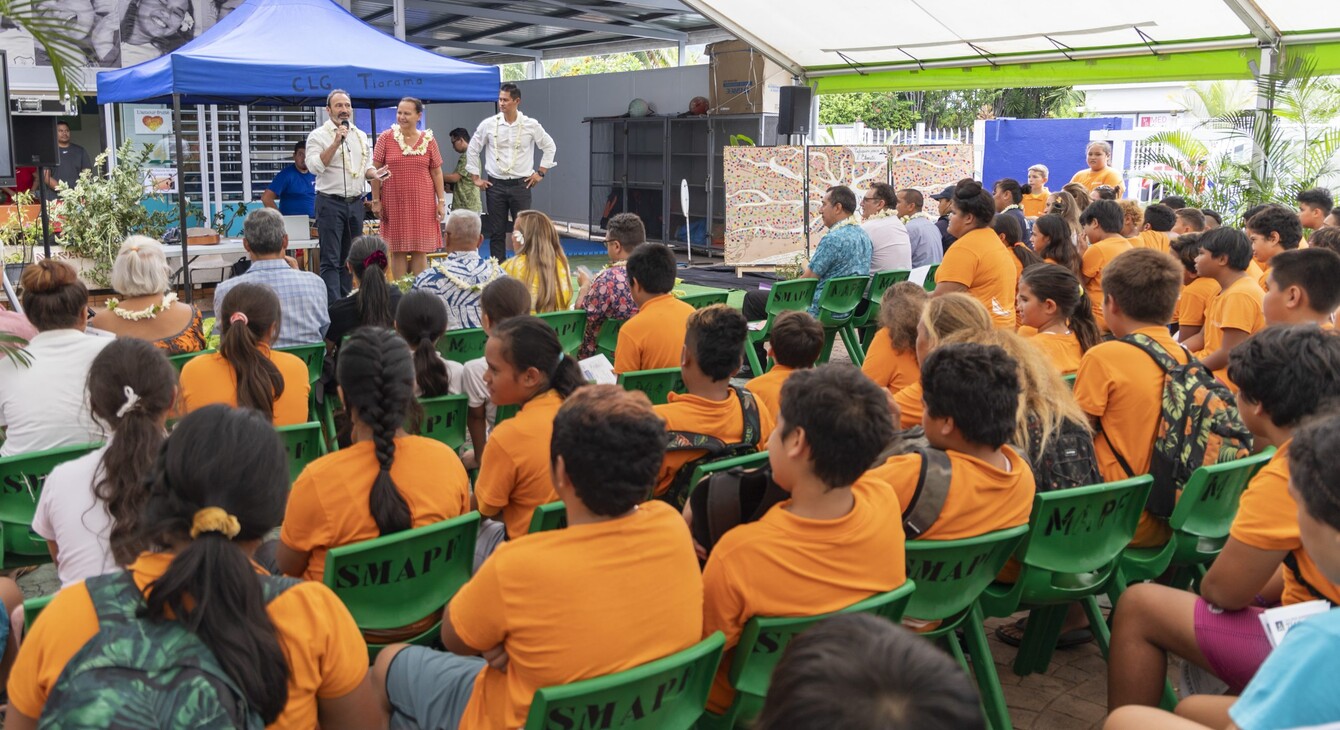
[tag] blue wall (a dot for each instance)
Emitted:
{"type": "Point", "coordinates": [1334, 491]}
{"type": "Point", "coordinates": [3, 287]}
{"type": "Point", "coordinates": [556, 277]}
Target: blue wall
{"type": "Point", "coordinates": [1014, 145]}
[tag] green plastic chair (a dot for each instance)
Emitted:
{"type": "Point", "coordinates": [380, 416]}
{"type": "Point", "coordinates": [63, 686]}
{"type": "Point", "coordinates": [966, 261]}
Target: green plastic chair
{"type": "Point", "coordinates": [462, 346]}
{"type": "Point", "coordinates": [570, 325]}
{"type": "Point", "coordinates": [396, 580]}
{"type": "Point", "coordinates": [502, 413]}
{"type": "Point", "coordinates": [608, 337]}
{"type": "Point", "coordinates": [444, 419]}
{"type": "Point", "coordinates": [950, 576]}
{"type": "Point", "coordinates": [657, 384]}
{"type": "Point", "coordinates": [1069, 380]}
{"type": "Point", "coordinates": [179, 361]}
{"type": "Point", "coordinates": [552, 516]}
{"type": "Point", "coordinates": [929, 284]}
{"type": "Point", "coordinates": [837, 305]}
{"type": "Point", "coordinates": [762, 643]}
{"type": "Point", "coordinates": [784, 295]}
{"type": "Point", "coordinates": [322, 412]}
{"type": "Point", "coordinates": [880, 282]}
{"type": "Point", "coordinates": [32, 608]}
{"type": "Point", "coordinates": [705, 299]}
{"type": "Point", "coordinates": [314, 356]}
{"type": "Point", "coordinates": [744, 463]}
{"type": "Point", "coordinates": [666, 694]}
{"type": "Point", "coordinates": [21, 479]}
{"type": "Point", "coordinates": [303, 443]}
{"type": "Point", "coordinates": [1075, 542]}
{"type": "Point", "coordinates": [1200, 524]}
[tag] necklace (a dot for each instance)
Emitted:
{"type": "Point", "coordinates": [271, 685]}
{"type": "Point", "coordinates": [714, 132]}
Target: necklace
{"type": "Point", "coordinates": [848, 221]}
{"type": "Point", "coordinates": [114, 306]}
{"type": "Point", "coordinates": [516, 142]}
{"type": "Point", "coordinates": [420, 146]}
{"type": "Point", "coordinates": [495, 271]}
{"type": "Point", "coordinates": [355, 173]}
{"type": "Point", "coordinates": [885, 213]}
{"type": "Point", "coordinates": [1009, 208]}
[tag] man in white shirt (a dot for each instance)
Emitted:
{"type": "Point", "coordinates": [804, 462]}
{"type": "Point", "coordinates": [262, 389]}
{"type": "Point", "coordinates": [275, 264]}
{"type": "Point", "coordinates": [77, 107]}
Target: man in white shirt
{"type": "Point", "coordinates": [508, 168]}
{"type": "Point", "coordinates": [892, 247]}
{"type": "Point", "coordinates": [340, 156]}
{"type": "Point", "coordinates": [927, 245]}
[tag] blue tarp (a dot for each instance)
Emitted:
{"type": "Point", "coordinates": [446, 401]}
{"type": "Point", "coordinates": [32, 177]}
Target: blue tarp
{"type": "Point", "coordinates": [291, 52]}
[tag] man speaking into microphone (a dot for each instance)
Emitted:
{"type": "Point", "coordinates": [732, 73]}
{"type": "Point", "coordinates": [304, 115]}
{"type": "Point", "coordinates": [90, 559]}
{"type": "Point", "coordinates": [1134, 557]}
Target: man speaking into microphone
{"type": "Point", "coordinates": [340, 156]}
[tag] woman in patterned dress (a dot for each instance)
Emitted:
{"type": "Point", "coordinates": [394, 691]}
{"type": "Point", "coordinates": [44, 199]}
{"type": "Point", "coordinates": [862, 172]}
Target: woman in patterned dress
{"type": "Point", "coordinates": [411, 201]}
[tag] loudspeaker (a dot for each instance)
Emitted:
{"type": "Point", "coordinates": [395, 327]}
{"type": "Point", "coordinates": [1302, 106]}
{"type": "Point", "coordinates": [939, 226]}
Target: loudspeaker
{"type": "Point", "coordinates": [35, 141]}
{"type": "Point", "coordinates": [794, 115]}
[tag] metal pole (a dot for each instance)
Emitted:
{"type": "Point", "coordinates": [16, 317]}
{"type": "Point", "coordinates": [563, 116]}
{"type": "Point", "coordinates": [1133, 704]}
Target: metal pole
{"type": "Point", "coordinates": [1265, 107]}
{"type": "Point", "coordinates": [181, 196]}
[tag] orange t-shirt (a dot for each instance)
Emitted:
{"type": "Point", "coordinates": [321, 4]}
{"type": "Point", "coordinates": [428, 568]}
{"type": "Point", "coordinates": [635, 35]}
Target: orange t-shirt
{"type": "Point", "coordinates": [1122, 387]}
{"type": "Point", "coordinates": [910, 404]}
{"type": "Point", "coordinates": [785, 565]}
{"type": "Point", "coordinates": [1090, 179]}
{"type": "Point", "coordinates": [1156, 240]}
{"type": "Point", "coordinates": [1195, 301]}
{"type": "Point", "coordinates": [1264, 278]}
{"type": "Point", "coordinates": [979, 262]}
{"type": "Point", "coordinates": [326, 655]}
{"type": "Point", "coordinates": [982, 497]}
{"type": "Point", "coordinates": [584, 601]}
{"type": "Point", "coordinates": [1267, 519]}
{"type": "Point", "coordinates": [654, 337]}
{"type": "Point", "coordinates": [514, 474]}
{"type": "Point", "coordinates": [891, 369]}
{"type": "Point", "coordinates": [1256, 271]}
{"type": "Point", "coordinates": [1035, 204]}
{"type": "Point", "coordinates": [1062, 349]}
{"type": "Point", "coordinates": [723, 419]}
{"type": "Point", "coordinates": [328, 506]}
{"type": "Point", "coordinates": [1095, 258]}
{"type": "Point", "coordinates": [209, 379]}
{"type": "Point", "coordinates": [767, 388]}
{"type": "Point", "coordinates": [1238, 307]}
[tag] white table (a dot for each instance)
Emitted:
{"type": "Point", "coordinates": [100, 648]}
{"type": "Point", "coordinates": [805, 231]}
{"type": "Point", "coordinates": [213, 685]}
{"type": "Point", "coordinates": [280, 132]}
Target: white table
{"type": "Point", "coordinates": [227, 247]}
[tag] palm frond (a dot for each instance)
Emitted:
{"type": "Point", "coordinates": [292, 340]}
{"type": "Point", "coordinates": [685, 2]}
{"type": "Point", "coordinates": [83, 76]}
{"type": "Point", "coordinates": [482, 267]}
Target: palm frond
{"type": "Point", "coordinates": [52, 34]}
{"type": "Point", "coordinates": [12, 346]}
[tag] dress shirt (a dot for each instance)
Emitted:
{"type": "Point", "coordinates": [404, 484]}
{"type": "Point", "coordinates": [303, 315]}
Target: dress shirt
{"type": "Point", "coordinates": [345, 175]}
{"type": "Point", "coordinates": [303, 314]}
{"type": "Point", "coordinates": [511, 147]}
{"type": "Point", "coordinates": [893, 247]}
{"type": "Point", "coordinates": [927, 243]}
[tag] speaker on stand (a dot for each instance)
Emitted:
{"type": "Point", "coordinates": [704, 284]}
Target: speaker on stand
{"type": "Point", "coordinates": [35, 144]}
{"type": "Point", "coordinates": [793, 117]}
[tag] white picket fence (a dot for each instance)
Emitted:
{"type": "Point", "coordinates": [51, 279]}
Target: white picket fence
{"type": "Point", "coordinates": [859, 134]}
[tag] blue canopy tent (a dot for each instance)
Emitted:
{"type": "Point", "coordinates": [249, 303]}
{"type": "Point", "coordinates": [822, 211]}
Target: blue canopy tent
{"type": "Point", "coordinates": [280, 52]}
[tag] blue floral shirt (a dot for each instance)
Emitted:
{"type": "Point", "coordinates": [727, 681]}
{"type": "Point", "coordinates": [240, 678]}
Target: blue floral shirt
{"type": "Point", "coordinates": [843, 251]}
{"type": "Point", "coordinates": [468, 268]}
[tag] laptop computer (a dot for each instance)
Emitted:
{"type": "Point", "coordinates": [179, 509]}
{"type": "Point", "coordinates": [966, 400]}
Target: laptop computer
{"type": "Point", "coordinates": [298, 227]}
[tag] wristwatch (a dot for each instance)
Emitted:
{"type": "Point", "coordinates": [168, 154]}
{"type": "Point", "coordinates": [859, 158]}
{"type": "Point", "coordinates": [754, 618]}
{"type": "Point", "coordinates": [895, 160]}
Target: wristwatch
{"type": "Point", "coordinates": [540, 173]}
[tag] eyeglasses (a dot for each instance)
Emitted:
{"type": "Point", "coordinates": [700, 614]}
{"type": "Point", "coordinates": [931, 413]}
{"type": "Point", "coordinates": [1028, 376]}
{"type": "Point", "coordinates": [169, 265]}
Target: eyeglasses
{"type": "Point", "coordinates": [869, 200]}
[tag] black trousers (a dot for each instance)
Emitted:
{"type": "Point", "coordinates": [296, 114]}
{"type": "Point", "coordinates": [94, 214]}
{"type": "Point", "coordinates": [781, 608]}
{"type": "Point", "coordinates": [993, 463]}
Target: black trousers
{"type": "Point", "coordinates": [505, 198]}
{"type": "Point", "coordinates": [338, 223]}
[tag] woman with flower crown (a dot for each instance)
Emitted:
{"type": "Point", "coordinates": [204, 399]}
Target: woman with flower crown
{"type": "Point", "coordinates": [411, 201]}
{"type": "Point", "coordinates": [141, 308]}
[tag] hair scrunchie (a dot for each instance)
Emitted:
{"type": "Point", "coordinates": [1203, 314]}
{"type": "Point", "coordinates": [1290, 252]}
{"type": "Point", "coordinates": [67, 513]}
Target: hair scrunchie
{"type": "Point", "coordinates": [214, 519]}
{"type": "Point", "coordinates": [238, 317]}
{"type": "Point", "coordinates": [377, 257]}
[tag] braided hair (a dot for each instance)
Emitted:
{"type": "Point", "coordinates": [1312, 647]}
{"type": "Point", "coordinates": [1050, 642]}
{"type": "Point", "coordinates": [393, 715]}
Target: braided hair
{"type": "Point", "coordinates": [376, 375]}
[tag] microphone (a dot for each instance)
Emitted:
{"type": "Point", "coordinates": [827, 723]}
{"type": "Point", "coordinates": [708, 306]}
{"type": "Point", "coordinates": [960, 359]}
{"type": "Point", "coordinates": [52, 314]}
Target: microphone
{"type": "Point", "coordinates": [345, 124]}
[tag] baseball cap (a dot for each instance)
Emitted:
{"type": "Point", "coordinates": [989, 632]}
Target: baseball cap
{"type": "Point", "coordinates": [946, 194]}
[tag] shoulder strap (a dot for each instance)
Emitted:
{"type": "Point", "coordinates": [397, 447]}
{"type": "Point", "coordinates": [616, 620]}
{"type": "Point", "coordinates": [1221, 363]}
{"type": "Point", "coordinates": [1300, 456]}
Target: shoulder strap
{"type": "Point", "coordinates": [932, 491]}
{"type": "Point", "coordinates": [749, 409]}
{"type": "Point", "coordinates": [1155, 351]}
{"type": "Point", "coordinates": [1291, 563]}
{"type": "Point", "coordinates": [691, 441]}
{"type": "Point", "coordinates": [115, 596]}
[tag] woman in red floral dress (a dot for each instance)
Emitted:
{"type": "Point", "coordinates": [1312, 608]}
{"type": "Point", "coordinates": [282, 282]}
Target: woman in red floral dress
{"type": "Point", "coordinates": [410, 201]}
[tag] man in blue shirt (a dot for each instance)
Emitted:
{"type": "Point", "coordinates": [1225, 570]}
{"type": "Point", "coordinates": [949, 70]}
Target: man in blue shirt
{"type": "Point", "coordinates": [927, 243]}
{"type": "Point", "coordinates": [294, 186]}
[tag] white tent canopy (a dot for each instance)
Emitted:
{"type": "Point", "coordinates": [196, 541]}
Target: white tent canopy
{"type": "Point", "coordinates": [853, 45]}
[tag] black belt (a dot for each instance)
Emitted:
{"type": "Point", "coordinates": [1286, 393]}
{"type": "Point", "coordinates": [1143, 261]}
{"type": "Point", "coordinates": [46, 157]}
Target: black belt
{"type": "Point", "coordinates": [507, 180]}
{"type": "Point", "coordinates": [341, 198]}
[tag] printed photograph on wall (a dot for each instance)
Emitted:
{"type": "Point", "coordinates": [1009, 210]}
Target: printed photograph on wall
{"type": "Point", "coordinates": [119, 33]}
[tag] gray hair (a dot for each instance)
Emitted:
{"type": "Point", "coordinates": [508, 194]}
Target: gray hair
{"type": "Point", "coordinates": [464, 225]}
{"type": "Point", "coordinates": [263, 231]}
{"type": "Point", "coordinates": [140, 268]}
{"type": "Point", "coordinates": [335, 92]}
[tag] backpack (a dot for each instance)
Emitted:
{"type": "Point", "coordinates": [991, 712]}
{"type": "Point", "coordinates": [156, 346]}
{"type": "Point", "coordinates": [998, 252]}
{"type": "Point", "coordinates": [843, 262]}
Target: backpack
{"type": "Point", "coordinates": [932, 483]}
{"type": "Point", "coordinates": [1199, 425]}
{"type": "Point", "coordinates": [1067, 461]}
{"type": "Point", "coordinates": [141, 673]}
{"type": "Point", "coordinates": [715, 448]}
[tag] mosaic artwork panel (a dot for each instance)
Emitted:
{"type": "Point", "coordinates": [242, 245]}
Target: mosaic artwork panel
{"type": "Point", "coordinates": [765, 221]}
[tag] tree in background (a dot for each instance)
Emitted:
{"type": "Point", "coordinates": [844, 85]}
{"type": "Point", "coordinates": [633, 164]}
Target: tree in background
{"type": "Point", "coordinates": [951, 108]}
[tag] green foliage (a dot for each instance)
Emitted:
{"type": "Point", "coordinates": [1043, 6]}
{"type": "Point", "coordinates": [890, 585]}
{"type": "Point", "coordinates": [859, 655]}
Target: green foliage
{"type": "Point", "coordinates": [20, 230]}
{"type": "Point", "coordinates": [876, 110]}
{"type": "Point", "coordinates": [616, 62]}
{"type": "Point", "coordinates": [12, 347]}
{"type": "Point", "coordinates": [952, 108]}
{"type": "Point", "coordinates": [1204, 179]}
{"type": "Point", "coordinates": [97, 214]}
{"type": "Point", "coordinates": [50, 32]}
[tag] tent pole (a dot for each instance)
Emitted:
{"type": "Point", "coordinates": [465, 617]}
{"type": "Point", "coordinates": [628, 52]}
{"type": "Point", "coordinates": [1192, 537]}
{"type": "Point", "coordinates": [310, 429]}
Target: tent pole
{"type": "Point", "coordinates": [181, 196]}
{"type": "Point", "coordinates": [1265, 107]}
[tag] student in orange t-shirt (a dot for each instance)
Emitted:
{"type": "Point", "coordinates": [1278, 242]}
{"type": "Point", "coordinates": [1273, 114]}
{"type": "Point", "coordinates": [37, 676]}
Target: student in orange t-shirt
{"type": "Point", "coordinates": [1271, 231]}
{"type": "Point", "coordinates": [1153, 233]}
{"type": "Point", "coordinates": [1102, 222]}
{"type": "Point", "coordinates": [796, 341]}
{"type": "Point", "coordinates": [245, 372]}
{"type": "Point", "coordinates": [1054, 241]}
{"type": "Point", "coordinates": [836, 541]}
{"type": "Point", "coordinates": [1056, 308]}
{"type": "Point", "coordinates": [386, 481]}
{"type": "Point", "coordinates": [1284, 376]}
{"type": "Point", "coordinates": [1097, 155]}
{"type": "Point", "coordinates": [502, 299]}
{"type": "Point", "coordinates": [526, 367]}
{"type": "Point", "coordinates": [971, 401]}
{"type": "Point", "coordinates": [891, 359]}
{"type": "Point", "coordinates": [654, 336]}
{"type": "Point", "coordinates": [1304, 288]}
{"type": "Point", "coordinates": [298, 660]}
{"type": "Point", "coordinates": [1035, 200]}
{"type": "Point", "coordinates": [1235, 313]}
{"type": "Point", "coordinates": [617, 588]}
{"type": "Point", "coordinates": [942, 317]}
{"type": "Point", "coordinates": [977, 264]}
{"type": "Point", "coordinates": [713, 352]}
{"type": "Point", "coordinates": [1197, 291]}
{"type": "Point", "coordinates": [1121, 387]}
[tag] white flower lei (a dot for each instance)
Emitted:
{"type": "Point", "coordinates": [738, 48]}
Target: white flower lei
{"type": "Point", "coordinates": [495, 271]}
{"type": "Point", "coordinates": [848, 221]}
{"type": "Point", "coordinates": [424, 137]}
{"type": "Point", "coordinates": [885, 213]}
{"type": "Point", "coordinates": [1011, 207]}
{"type": "Point", "coordinates": [114, 306]}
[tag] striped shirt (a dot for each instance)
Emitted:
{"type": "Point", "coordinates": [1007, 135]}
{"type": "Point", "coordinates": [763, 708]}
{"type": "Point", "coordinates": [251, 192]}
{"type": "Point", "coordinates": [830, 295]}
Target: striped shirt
{"type": "Point", "coordinates": [303, 317]}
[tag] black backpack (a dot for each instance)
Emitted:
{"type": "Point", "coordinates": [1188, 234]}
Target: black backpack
{"type": "Point", "coordinates": [715, 449]}
{"type": "Point", "coordinates": [1068, 461]}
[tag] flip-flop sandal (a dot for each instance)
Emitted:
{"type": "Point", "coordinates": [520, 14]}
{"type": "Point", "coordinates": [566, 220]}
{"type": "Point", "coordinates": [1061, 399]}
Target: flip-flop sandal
{"type": "Point", "coordinates": [1013, 635]}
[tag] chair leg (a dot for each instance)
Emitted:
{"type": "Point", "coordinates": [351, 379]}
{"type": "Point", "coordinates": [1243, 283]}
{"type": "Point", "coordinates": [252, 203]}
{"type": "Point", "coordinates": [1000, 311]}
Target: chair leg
{"type": "Point", "coordinates": [984, 668]}
{"type": "Point", "coordinates": [853, 344]}
{"type": "Point", "coordinates": [1097, 624]}
{"type": "Point", "coordinates": [828, 346]}
{"type": "Point", "coordinates": [1044, 628]}
{"type": "Point", "coordinates": [755, 367]}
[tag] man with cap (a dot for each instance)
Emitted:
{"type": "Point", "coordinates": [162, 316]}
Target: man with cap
{"type": "Point", "coordinates": [943, 198]}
